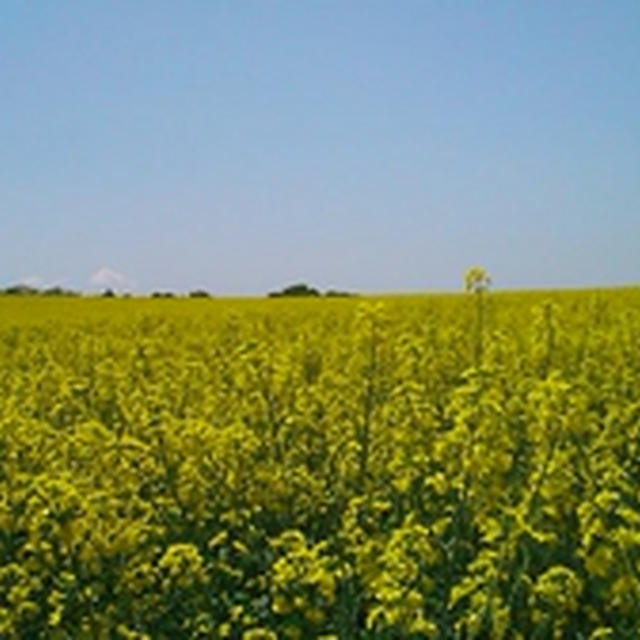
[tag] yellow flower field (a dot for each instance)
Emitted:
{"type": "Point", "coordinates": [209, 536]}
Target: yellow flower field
{"type": "Point", "coordinates": [401, 467]}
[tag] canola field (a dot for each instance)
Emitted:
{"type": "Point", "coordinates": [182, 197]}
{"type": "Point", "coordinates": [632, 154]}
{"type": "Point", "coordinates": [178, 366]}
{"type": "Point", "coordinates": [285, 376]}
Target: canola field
{"type": "Point", "coordinates": [447, 467]}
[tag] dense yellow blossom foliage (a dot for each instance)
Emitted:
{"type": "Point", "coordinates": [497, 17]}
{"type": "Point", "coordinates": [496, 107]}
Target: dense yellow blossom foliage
{"type": "Point", "coordinates": [331, 469]}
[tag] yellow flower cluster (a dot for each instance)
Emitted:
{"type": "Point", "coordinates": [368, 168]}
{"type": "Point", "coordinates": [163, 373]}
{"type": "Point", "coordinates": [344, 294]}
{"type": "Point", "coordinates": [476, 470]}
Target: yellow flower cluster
{"type": "Point", "coordinates": [446, 467]}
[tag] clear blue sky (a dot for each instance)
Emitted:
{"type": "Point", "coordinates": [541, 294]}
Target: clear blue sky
{"type": "Point", "coordinates": [375, 146]}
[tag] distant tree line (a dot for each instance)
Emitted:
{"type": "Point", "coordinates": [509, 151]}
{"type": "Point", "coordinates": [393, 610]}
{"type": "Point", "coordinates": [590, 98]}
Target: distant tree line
{"type": "Point", "coordinates": [29, 291]}
{"type": "Point", "coordinates": [26, 290]}
{"type": "Point", "coordinates": [302, 290]}
{"type": "Point", "coordinates": [198, 293]}
{"type": "Point", "coordinates": [299, 290]}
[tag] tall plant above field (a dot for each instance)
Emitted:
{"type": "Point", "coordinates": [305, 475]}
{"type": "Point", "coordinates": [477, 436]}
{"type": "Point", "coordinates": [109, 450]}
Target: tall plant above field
{"type": "Point", "coordinates": [477, 281]}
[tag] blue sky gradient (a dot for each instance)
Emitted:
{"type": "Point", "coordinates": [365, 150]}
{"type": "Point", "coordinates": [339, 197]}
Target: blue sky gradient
{"type": "Point", "coordinates": [373, 146]}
